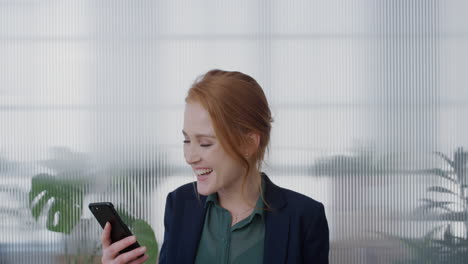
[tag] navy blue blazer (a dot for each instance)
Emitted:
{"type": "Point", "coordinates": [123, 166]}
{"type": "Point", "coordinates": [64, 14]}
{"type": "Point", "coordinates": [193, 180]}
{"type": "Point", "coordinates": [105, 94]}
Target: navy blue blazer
{"type": "Point", "coordinates": [296, 229]}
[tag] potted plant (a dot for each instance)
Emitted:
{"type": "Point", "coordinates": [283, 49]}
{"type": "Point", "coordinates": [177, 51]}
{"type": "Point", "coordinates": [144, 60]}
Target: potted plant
{"type": "Point", "coordinates": [441, 245]}
{"type": "Point", "coordinates": [61, 192]}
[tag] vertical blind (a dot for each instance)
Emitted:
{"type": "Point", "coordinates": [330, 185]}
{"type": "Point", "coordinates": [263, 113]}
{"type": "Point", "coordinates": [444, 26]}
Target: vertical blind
{"type": "Point", "coordinates": [370, 100]}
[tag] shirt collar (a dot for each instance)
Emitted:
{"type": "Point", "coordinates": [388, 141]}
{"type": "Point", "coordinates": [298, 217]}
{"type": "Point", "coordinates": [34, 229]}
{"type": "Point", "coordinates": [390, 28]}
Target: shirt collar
{"type": "Point", "coordinates": [212, 198]}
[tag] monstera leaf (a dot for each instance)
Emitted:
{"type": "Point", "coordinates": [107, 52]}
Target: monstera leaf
{"type": "Point", "coordinates": [65, 198]}
{"type": "Point", "coordinates": [147, 238]}
{"type": "Point", "coordinates": [144, 233]}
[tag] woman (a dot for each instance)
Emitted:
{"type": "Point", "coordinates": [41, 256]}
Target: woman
{"type": "Point", "coordinates": [233, 213]}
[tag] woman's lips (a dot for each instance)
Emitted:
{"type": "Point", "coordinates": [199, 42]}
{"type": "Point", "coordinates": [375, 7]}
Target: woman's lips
{"type": "Point", "coordinates": [203, 177]}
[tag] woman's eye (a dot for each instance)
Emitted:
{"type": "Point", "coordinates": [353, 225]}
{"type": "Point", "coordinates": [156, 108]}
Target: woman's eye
{"type": "Point", "coordinates": [186, 141]}
{"type": "Point", "coordinates": [206, 145]}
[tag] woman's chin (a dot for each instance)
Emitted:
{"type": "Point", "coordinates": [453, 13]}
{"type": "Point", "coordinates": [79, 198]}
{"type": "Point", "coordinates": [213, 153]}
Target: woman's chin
{"type": "Point", "coordinates": [203, 189]}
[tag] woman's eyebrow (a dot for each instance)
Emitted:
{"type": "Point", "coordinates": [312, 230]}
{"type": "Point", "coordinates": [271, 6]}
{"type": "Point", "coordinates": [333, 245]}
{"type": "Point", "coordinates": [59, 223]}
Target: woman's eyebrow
{"type": "Point", "coordinates": [200, 135]}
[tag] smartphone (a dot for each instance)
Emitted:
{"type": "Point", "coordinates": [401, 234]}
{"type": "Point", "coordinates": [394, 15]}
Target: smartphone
{"type": "Point", "coordinates": [105, 212]}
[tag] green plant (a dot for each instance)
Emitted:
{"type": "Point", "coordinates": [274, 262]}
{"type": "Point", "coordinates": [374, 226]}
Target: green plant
{"type": "Point", "coordinates": [440, 245]}
{"type": "Point", "coordinates": [455, 209]}
{"type": "Point", "coordinates": [61, 193]}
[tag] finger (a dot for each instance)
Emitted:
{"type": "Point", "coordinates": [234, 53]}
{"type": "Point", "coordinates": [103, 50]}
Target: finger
{"type": "Point", "coordinates": [140, 260]}
{"type": "Point", "coordinates": [132, 255]}
{"type": "Point", "coordinates": [114, 249]}
{"type": "Point", "coordinates": [105, 238]}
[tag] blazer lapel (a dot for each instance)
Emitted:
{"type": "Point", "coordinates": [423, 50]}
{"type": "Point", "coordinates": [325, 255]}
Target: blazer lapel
{"type": "Point", "coordinates": [193, 219]}
{"type": "Point", "coordinates": [276, 225]}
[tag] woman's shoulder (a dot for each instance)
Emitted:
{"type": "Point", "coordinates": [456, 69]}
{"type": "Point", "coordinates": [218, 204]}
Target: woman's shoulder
{"type": "Point", "coordinates": [299, 197]}
{"type": "Point", "coordinates": [291, 202]}
{"type": "Point", "coordinates": [303, 210]}
{"type": "Point", "coordinates": [299, 200]}
{"type": "Point", "coordinates": [186, 191]}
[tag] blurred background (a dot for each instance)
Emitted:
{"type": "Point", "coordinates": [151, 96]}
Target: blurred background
{"type": "Point", "coordinates": [370, 101]}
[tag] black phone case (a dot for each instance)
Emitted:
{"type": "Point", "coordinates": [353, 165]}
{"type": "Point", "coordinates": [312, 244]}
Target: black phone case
{"type": "Point", "coordinates": [105, 212]}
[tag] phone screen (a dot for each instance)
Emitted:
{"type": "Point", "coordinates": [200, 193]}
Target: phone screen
{"type": "Point", "coordinates": [105, 212]}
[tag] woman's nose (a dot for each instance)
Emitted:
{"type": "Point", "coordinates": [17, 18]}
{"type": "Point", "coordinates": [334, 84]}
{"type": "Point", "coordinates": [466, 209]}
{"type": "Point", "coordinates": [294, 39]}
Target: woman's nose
{"type": "Point", "coordinates": [191, 156]}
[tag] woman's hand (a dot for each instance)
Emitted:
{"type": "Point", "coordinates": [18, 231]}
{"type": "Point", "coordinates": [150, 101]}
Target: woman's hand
{"type": "Point", "coordinates": [110, 251]}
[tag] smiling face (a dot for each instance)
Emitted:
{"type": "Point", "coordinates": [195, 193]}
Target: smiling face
{"type": "Point", "coordinates": [214, 168]}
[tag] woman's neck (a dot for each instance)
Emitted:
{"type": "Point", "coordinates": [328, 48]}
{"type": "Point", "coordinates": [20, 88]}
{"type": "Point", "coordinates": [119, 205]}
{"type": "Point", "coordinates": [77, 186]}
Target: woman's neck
{"type": "Point", "coordinates": [236, 201]}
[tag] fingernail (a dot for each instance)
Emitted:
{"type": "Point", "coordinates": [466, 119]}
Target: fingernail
{"type": "Point", "coordinates": [107, 224]}
{"type": "Point", "coordinates": [142, 249]}
{"type": "Point", "coordinates": [132, 239]}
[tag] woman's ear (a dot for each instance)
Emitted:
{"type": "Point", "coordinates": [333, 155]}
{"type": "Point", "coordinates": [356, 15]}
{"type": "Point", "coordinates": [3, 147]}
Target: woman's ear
{"type": "Point", "coordinates": [253, 143]}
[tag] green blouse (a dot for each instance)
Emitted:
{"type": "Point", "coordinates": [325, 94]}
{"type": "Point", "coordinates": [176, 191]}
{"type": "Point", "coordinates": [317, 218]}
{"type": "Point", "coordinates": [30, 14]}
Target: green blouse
{"type": "Point", "coordinates": [222, 244]}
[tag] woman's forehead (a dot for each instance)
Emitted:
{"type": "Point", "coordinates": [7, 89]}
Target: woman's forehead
{"type": "Point", "coordinates": [197, 121]}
